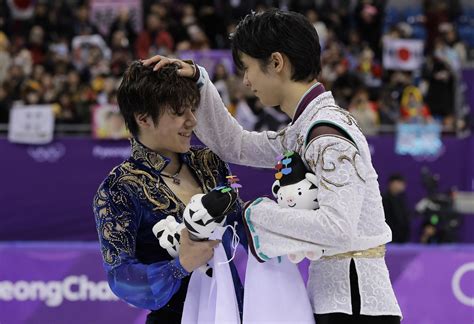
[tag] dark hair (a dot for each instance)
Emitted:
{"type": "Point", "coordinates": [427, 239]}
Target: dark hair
{"type": "Point", "coordinates": [396, 177]}
{"type": "Point", "coordinates": [144, 91]}
{"type": "Point", "coordinates": [261, 34]}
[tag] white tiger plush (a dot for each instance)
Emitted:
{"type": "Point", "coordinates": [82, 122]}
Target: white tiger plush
{"type": "Point", "coordinates": [294, 188]}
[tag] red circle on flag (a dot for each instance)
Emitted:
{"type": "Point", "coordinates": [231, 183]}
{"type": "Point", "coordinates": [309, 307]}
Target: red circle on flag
{"type": "Point", "coordinates": [22, 4]}
{"type": "Point", "coordinates": [404, 54]}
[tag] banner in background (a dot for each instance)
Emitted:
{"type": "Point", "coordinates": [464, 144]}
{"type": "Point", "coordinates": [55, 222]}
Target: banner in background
{"type": "Point", "coordinates": [402, 54]}
{"type": "Point", "coordinates": [104, 12]}
{"type": "Point", "coordinates": [33, 124]}
{"type": "Point", "coordinates": [420, 140]}
{"type": "Point", "coordinates": [108, 123]}
{"type": "Point", "coordinates": [56, 283]}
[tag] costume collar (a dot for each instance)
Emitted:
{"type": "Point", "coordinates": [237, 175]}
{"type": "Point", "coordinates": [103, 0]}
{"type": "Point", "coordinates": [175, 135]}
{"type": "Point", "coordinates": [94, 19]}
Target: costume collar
{"type": "Point", "coordinates": [313, 92]}
{"type": "Point", "coordinates": [151, 159]}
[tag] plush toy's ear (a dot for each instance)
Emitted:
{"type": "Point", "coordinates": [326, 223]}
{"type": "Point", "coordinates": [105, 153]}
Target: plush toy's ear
{"type": "Point", "coordinates": [275, 188]}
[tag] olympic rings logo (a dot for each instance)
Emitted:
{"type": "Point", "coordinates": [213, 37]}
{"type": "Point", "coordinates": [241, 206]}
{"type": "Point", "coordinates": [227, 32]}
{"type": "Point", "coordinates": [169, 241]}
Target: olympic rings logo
{"type": "Point", "coordinates": [456, 284]}
{"type": "Point", "coordinates": [50, 153]}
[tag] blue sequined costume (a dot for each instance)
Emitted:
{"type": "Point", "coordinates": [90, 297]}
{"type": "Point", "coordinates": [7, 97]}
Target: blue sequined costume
{"type": "Point", "coordinates": [128, 203]}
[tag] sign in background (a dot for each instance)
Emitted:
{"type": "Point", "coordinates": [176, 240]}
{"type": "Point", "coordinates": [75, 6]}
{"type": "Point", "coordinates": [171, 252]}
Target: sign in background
{"type": "Point", "coordinates": [402, 54]}
{"type": "Point", "coordinates": [108, 123]}
{"type": "Point", "coordinates": [32, 124]}
{"type": "Point", "coordinates": [65, 283]}
{"type": "Point", "coordinates": [419, 140]}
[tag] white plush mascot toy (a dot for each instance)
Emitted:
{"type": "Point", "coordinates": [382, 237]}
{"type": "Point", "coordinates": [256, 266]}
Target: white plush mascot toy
{"type": "Point", "coordinates": [167, 231]}
{"type": "Point", "coordinates": [203, 214]}
{"type": "Point", "coordinates": [294, 188]}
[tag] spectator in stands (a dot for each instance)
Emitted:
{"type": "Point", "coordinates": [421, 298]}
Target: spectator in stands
{"type": "Point", "coordinates": [220, 79]}
{"type": "Point", "coordinates": [413, 109]}
{"type": "Point", "coordinates": [440, 94]}
{"type": "Point", "coordinates": [14, 81]}
{"type": "Point", "coordinates": [438, 12]}
{"type": "Point", "coordinates": [319, 25]}
{"type": "Point", "coordinates": [365, 112]}
{"type": "Point", "coordinates": [82, 24]}
{"type": "Point", "coordinates": [388, 108]}
{"type": "Point", "coordinates": [154, 39]}
{"type": "Point", "coordinates": [243, 113]}
{"type": "Point", "coordinates": [396, 209]}
{"type": "Point", "coordinates": [451, 40]}
{"type": "Point", "coordinates": [368, 16]}
{"type": "Point", "coordinates": [123, 24]}
{"type": "Point", "coordinates": [213, 25]}
{"type": "Point", "coordinates": [50, 90]}
{"type": "Point", "coordinates": [67, 109]}
{"type": "Point", "coordinates": [368, 69]}
{"type": "Point", "coordinates": [198, 39]}
{"type": "Point", "coordinates": [156, 182]}
{"type": "Point", "coordinates": [37, 45]}
{"type": "Point", "coordinates": [5, 57]}
{"type": "Point", "coordinates": [122, 53]}
{"type": "Point", "coordinates": [5, 105]}
{"type": "Point", "coordinates": [346, 84]}
{"type": "Point", "coordinates": [32, 93]}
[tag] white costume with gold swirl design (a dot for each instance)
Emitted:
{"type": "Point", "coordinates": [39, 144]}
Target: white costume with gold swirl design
{"type": "Point", "coordinates": [350, 217]}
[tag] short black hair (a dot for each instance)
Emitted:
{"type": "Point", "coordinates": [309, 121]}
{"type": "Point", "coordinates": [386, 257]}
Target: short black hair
{"type": "Point", "coordinates": [396, 177]}
{"type": "Point", "coordinates": [261, 34]}
{"type": "Point", "coordinates": [144, 91]}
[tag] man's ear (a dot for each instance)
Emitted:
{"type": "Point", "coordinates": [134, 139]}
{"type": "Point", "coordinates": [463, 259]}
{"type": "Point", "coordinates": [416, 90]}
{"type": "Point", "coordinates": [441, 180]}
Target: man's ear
{"type": "Point", "coordinates": [277, 61]}
{"type": "Point", "coordinates": [142, 120]}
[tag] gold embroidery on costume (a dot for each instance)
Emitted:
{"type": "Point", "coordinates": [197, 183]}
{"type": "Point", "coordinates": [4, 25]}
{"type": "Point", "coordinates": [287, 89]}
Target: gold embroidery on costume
{"type": "Point", "coordinates": [149, 157]}
{"type": "Point", "coordinates": [323, 153]}
{"type": "Point", "coordinates": [299, 143]}
{"type": "Point", "coordinates": [349, 118]}
{"type": "Point", "coordinates": [331, 166]}
{"type": "Point", "coordinates": [325, 186]}
{"type": "Point", "coordinates": [205, 164]}
{"type": "Point", "coordinates": [375, 252]}
{"type": "Point", "coordinates": [352, 161]}
{"type": "Point", "coordinates": [334, 183]}
{"type": "Point", "coordinates": [115, 219]}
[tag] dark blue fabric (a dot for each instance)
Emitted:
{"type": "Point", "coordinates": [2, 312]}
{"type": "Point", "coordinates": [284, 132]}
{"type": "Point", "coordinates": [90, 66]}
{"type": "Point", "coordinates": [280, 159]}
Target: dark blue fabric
{"type": "Point", "coordinates": [129, 202]}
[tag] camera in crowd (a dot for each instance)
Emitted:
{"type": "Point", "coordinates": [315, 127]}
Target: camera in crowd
{"type": "Point", "coordinates": [441, 221]}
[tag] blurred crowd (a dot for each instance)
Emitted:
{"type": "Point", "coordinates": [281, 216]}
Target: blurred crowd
{"type": "Point", "coordinates": [58, 54]}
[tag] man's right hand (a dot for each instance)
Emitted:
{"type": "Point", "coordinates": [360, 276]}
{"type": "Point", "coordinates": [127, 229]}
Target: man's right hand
{"type": "Point", "coordinates": [185, 69]}
{"type": "Point", "coordinates": [193, 254]}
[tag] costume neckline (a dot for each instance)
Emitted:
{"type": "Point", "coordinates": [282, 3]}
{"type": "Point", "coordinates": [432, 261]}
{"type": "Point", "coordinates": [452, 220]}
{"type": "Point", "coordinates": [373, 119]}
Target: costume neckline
{"type": "Point", "coordinates": [151, 159]}
{"type": "Point", "coordinates": [311, 94]}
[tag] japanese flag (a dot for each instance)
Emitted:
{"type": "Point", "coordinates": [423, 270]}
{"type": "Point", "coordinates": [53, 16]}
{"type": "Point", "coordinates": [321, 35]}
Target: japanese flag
{"type": "Point", "coordinates": [22, 9]}
{"type": "Point", "coordinates": [402, 54]}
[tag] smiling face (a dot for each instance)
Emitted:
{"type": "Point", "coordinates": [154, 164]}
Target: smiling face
{"type": "Point", "coordinates": [301, 195]}
{"type": "Point", "coordinates": [172, 132]}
